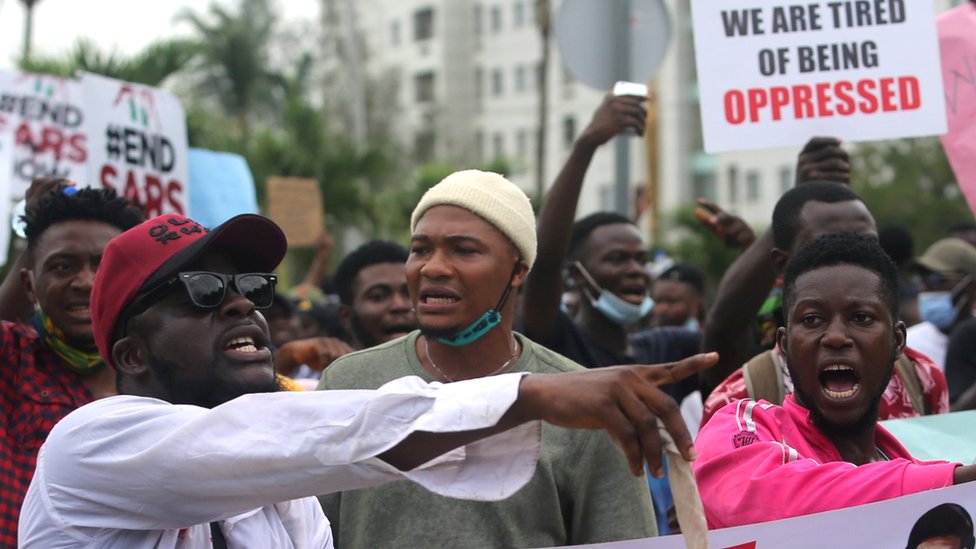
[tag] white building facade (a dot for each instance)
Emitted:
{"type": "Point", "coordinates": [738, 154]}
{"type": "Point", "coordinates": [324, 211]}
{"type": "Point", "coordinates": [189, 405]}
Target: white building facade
{"type": "Point", "coordinates": [469, 75]}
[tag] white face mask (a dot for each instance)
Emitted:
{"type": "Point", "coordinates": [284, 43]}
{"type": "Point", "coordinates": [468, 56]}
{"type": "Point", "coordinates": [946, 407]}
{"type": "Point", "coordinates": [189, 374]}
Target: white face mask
{"type": "Point", "coordinates": [609, 305]}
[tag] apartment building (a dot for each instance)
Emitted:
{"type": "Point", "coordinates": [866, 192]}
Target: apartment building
{"type": "Point", "coordinates": [469, 72]}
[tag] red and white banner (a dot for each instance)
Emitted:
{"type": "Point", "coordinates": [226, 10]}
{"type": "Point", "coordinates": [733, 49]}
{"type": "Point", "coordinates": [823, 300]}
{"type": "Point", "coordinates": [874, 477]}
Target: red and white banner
{"type": "Point", "coordinates": [775, 73]}
{"type": "Point", "coordinates": [46, 116]}
{"type": "Point", "coordinates": [891, 523]}
{"type": "Point", "coordinates": [137, 143]}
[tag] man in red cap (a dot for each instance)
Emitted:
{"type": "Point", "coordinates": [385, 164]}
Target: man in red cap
{"type": "Point", "coordinates": [199, 449]}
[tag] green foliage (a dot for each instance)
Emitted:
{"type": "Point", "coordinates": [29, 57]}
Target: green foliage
{"type": "Point", "coordinates": [150, 66]}
{"type": "Point", "coordinates": [909, 182]}
{"type": "Point", "coordinates": [697, 245]}
{"type": "Point", "coordinates": [234, 53]}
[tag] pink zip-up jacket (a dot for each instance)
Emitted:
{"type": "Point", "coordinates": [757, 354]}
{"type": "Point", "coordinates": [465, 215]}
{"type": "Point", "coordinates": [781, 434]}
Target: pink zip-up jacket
{"type": "Point", "coordinates": [760, 462]}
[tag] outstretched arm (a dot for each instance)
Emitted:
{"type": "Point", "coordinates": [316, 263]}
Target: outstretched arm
{"type": "Point", "coordinates": [747, 282]}
{"type": "Point", "coordinates": [540, 300]}
{"type": "Point", "coordinates": [626, 401]}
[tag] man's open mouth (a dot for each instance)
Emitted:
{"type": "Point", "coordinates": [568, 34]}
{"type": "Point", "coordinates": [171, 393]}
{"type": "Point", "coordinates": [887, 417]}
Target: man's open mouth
{"type": "Point", "coordinates": [242, 344]}
{"type": "Point", "coordinates": [839, 381]}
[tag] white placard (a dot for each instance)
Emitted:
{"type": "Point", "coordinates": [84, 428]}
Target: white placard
{"type": "Point", "coordinates": [6, 175]}
{"type": "Point", "coordinates": [887, 523]}
{"type": "Point", "coordinates": [775, 73]}
{"type": "Point", "coordinates": [46, 116]}
{"type": "Point", "coordinates": [137, 142]}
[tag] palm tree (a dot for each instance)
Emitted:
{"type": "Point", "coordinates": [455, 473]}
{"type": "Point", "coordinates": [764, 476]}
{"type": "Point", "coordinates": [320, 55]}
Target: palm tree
{"type": "Point", "coordinates": [235, 60]}
{"type": "Point", "coordinates": [151, 66]}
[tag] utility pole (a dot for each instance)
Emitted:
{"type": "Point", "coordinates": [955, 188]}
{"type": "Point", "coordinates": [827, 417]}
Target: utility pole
{"type": "Point", "coordinates": [543, 17]}
{"type": "Point", "coordinates": [28, 25]}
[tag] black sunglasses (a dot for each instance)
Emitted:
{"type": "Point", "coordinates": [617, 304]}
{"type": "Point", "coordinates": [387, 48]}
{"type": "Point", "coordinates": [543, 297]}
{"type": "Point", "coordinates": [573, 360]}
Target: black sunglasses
{"type": "Point", "coordinates": [207, 290]}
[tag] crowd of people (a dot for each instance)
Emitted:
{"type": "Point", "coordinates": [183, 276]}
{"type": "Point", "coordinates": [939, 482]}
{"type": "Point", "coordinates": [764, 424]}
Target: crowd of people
{"type": "Point", "coordinates": [497, 381]}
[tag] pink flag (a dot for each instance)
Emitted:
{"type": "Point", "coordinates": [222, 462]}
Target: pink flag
{"type": "Point", "coordinates": [957, 40]}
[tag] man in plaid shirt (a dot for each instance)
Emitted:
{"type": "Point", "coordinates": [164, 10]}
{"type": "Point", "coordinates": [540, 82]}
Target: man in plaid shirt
{"type": "Point", "coordinates": [50, 364]}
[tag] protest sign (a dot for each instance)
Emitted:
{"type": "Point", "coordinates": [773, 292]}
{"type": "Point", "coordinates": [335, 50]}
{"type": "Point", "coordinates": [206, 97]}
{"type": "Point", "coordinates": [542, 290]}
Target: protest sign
{"type": "Point", "coordinates": [951, 437]}
{"type": "Point", "coordinates": [775, 73]}
{"type": "Point", "coordinates": [45, 114]}
{"type": "Point", "coordinates": [887, 523]}
{"type": "Point", "coordinates": [137, 143]}
{"type": "Point", "coordinates": [957, 39]}
{"type": "Point", "coordinates": [295, 204]}
{"type": "Point", "coordinates": [6, 177]}
{"type": "Point", "coordinates": [221, 186]}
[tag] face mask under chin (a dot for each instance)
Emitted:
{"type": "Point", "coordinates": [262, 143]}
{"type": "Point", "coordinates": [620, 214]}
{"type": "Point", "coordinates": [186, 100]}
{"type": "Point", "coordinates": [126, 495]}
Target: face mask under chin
{"type": "Point", "coordinates": [617, 310]}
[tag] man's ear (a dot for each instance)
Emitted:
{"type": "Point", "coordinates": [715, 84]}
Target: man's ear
{"type": "Point", "coordinates": [520, 273]}
{"type": "Point", "coordinates": [779, 258]}
{"type": "Point", "coordinates": [27, 282]}
{"type": "Point", "coordinates": [345, 318]}
{"type": "Point", "coordinates": [901, 338]}
{"type": "Point", "coordinates": [129, 356]}
{"type": "Point", "coordinates": [781, 339]}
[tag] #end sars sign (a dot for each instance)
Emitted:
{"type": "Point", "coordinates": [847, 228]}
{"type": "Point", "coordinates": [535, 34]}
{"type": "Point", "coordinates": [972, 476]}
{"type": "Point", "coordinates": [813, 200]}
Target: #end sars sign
{"type": "Point", "coordinates": [775, 73]}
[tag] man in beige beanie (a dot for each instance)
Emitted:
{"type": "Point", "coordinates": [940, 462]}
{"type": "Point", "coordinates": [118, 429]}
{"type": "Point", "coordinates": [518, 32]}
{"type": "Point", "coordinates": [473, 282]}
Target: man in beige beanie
{"type": "Point", "coordinates": [472, 246]}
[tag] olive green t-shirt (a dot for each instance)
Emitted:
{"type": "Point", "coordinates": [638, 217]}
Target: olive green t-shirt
{"type": "Point", "coordinates": [582, 490]}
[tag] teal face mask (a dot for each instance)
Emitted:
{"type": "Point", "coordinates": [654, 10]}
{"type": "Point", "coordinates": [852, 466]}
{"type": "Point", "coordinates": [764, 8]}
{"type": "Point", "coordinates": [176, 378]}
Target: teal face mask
{"type": "Point", "coordinates": [484, 323]}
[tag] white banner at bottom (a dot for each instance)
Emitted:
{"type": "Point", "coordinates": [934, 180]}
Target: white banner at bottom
{"type": "Point", "coordinates": [902, 522]}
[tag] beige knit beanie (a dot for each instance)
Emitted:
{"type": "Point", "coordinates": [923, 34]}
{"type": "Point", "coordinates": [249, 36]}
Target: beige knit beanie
{"type": "Point", "coordinates": [490, 196]}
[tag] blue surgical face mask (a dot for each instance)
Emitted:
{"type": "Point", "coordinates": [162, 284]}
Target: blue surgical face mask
{"type": "Point", "coordinates": [692, 324]}
{"type": "Point", "coordinates": [609, 305]}
{"type": "Point", "coordinates": [937, 308]}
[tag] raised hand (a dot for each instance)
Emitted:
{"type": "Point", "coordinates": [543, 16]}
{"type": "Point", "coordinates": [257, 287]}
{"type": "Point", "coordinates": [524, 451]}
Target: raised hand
{"type": "Point", "coordinates": [823, 159]}
{"type": "Point", "coordinates": [729, 228]}
{"type": "Point", "coordinates": [616, 114]}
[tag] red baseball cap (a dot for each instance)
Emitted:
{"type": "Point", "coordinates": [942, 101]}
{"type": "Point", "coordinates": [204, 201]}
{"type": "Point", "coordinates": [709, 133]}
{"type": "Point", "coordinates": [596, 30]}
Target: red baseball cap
{"type": "Point", "coordinates": [151, 253]}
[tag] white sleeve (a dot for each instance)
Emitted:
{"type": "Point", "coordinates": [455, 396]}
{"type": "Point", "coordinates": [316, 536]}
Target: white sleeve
{"type": "Point", "coordinates": [139, 463]}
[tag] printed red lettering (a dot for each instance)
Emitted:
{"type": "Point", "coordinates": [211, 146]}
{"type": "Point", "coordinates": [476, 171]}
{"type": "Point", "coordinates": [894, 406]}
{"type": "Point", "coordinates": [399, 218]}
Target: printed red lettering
{"type": "Point", "coordinates": [757, 100]}
{"type": "Point", "coordinates": [865, 89]}
{"type": "Point", "coordinates": [911, 98]}
{"type": "Point", "coordinates": [780, 98]}
{"type": "Point", "coordinates": [802, 104]}
{"type": "Point", "coordinates": [735, 108]}
{"type": "Point", "coordinates": [843, 91]}
{"type": "Point", "coordinates": [888, 95]}
{"type": "Point", "coordinates": [823, 100]}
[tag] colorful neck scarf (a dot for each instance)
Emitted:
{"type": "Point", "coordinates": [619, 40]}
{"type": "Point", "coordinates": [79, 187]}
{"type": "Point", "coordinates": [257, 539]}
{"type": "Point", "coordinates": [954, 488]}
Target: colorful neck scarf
{"type": "Point", "coordinates": [77, 360]}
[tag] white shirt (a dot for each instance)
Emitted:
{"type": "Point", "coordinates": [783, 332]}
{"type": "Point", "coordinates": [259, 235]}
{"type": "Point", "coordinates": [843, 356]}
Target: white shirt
{"type": "Point", "coordinates": [134, 472]}
{"type": "Point", "coordinates": [925, 338]}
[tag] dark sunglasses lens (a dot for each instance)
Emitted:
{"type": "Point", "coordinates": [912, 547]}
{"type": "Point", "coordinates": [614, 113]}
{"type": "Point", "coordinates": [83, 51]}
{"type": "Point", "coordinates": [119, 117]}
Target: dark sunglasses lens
{"type": "Point", "coordinates": [206, 290]}
{"type": "Point", "coordinates": [257, 288]}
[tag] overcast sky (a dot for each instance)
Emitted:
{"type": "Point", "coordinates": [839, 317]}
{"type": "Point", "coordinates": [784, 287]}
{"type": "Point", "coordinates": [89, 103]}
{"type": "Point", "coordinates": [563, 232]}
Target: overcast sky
{"type": "Point", "coordinates": [125, 24]}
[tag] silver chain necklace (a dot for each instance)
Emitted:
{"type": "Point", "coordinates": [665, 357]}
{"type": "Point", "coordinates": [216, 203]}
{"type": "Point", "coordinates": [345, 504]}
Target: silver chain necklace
{"type": "Point", "coordinates": [447, 378]}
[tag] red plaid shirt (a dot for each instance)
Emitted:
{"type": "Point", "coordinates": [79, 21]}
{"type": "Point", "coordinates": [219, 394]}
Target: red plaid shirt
{"type": "Point", "coordinates": [36, 391]}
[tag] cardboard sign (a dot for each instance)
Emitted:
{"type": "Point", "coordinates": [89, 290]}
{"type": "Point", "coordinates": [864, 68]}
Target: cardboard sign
{"type": "Point", "coordinates": [137, 143]}
{"type": "Point", "coordinates": [295, 204]}
{"type": "Point", "coordinates": [957, 39]}
{"type": "Point", "coordinates": [46, 116]}
{"type": "Point", "coordinates": [887, 523]}
{"type": "Point", "coordinates": [775, 73]}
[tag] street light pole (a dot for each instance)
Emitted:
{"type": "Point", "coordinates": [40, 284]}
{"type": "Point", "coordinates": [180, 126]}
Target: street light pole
{"type": "Point", "coordinates": [28, 25]}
